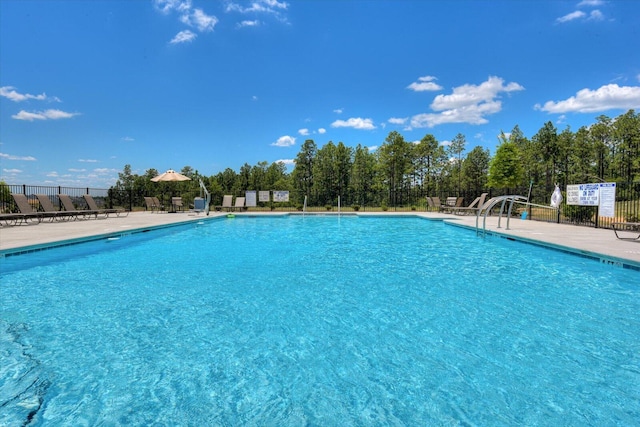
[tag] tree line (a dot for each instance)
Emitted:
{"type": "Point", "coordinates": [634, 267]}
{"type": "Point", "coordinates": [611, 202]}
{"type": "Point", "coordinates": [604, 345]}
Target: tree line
{"type": "Point", "coordinates": [402, 173]}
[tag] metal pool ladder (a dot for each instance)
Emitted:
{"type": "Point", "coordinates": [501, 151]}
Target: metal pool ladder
{"type": "Point", "coordinates": [486, 208]}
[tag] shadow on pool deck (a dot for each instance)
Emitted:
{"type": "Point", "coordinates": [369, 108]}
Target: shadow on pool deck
{"type": "Point", "coordinates": [588, 241]}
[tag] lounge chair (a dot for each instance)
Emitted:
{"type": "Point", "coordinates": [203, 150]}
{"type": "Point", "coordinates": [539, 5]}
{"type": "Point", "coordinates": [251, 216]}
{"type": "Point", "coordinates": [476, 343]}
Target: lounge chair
{"type": "Point", "coordinates": [158, 204]}
{"type": "Point", "coordinates": [68, 206]}
{"type": "Point", "coordinates": [49, 209]}
{"type": "Point", "coordinates": [473, 207]}
{"type": "Point", "coordinates": [227, 202]}
{"type": "Point", "coordinates": [93, 206]}
{"type": "Point", "coordinates": [452, 203]}
{"type": "Point", "coordinates": [27, 210]}
{"type": "Point", "coordinates": [151, 205]}
{"type": "Point", "coordinates": [430, 205]}
{"type": "Point", "coordinates": [627, 230]}
{"type": "Point", "coordinates": [9, 219]}
{"type": "Point", "coordinates": [176, 203]}
{"type": "Point", "coordinates": [239, 205]}
{"type": "Point", "coordinates": [436, 203]}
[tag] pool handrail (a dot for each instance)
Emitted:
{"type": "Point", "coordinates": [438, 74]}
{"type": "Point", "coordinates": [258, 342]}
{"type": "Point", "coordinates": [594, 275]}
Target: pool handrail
{"type": "Point", "coordinates": [511, 198]}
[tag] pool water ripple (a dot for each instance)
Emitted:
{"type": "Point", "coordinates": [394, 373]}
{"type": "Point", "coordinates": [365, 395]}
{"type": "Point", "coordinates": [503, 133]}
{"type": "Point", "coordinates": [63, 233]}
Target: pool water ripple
{"type": "Point", "coordinates": [323, 321]}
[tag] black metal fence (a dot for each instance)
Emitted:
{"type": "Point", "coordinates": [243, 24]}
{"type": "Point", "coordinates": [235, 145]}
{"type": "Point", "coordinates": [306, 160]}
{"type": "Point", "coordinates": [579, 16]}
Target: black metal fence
{"type": "Point", "coordinates": [627, 202]}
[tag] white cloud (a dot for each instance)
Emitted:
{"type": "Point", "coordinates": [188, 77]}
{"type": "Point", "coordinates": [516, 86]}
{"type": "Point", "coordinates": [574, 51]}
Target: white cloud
{"type": "Point", "coordinates": [322, 131]}
{"type": "Point", "coordinates": [605, 98]}
{"type": "Point", "coordinates": [76, 170]}
{"type": "Point", "coordinates": [397, 120]}
{"type": "Point", "coordinates": [128, 139]}
{"type": "Point", "coordinates": [425, 83]}
{"type": "Point", "coordinates": [287, 162]}
{"type": "Point", "coordinates": [105, 171]}
{"type": "Point", "coordinates": [243, 24]}
{"type": "Point", "coordinates": [338, 110]}
{"type": "Point", "coordinates": [284, 141]}
{"type": "Point", "coordinates": [183, 37]}
{"type": "Point", "coordinates": [193, 17]}
{"type": "Point", "coordinates": [590, 3]}
{"type": "Point", "coordinates": [596, 15]}
{"type": "Point", "coordinates": [43, 115]}
{"type": "Point", "coordinates": [270, 7]}
{"type": "Point", "coordinates": [258, 6]}
{"type": "Point", "coordinates": [578, 14]}
{"type": "Point", "coordinates": [87, 161]}
{"type": "Point", "coordinates": [13, 157]}
{"type": "Point", "coordinates": [167, 6]}
{"type": "Point", "coordinates": [467, 104]}
{"type": "Point", "coordinates": [372, 148]}
{"type": "Point", "coordinates": [12, 171]}
{"type": "Point", "coordinates": [9, 92]}
{"type": "Point", "coordinates": [354, 122]}
{"type": "Point", "coordinates": [200, 20]}
{"type": "Point", "coordinates": [303, 132]}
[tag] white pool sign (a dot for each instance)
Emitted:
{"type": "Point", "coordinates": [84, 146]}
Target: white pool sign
{"type": "Point", "coordinates": [601, 194]}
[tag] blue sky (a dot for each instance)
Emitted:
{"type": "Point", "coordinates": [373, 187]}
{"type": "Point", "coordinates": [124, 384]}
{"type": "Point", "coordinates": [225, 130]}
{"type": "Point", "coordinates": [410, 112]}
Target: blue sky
{"type": "Point", "coordinates": [89, 86]}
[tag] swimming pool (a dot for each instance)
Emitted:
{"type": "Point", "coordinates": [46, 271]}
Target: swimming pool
{"type": "Point", "coordinates": [317, 321]}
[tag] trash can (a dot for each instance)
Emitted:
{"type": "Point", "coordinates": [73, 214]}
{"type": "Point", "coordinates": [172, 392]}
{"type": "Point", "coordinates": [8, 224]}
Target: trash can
{"type": "Point", "coordinates": [198, 204]}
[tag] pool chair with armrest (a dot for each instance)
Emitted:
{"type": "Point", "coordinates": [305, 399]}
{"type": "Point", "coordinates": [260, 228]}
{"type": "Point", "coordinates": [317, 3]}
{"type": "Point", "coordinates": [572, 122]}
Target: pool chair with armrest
{"type": "Point", "coordinates": [627, 230]}
{"type": "Point", "coordinates": [158, 204]}
{"type": "Point", "coordinates": [436, 203]}
{"type": "Point", "coordinates": [452, 203]}
{"type": "Point", "coordinates": [227, 202]}
{"type": "Point", "coordinates": [26, 215]}
{"type": "Point", "coordinates": [239, 205]}
{"type": "Point", "coordinates": [25, 208]}
{"type": "Point", "coordinates": [68, 206]}
{"type": "Point", "coordinates": [103, 211]}
{"type": "Point", "coordinates": [430, 205]}
{"type": "Point", "coordinates": [49, 209]}
{"type": "Point", "coordinates": [472, 209]}
{"type": "Point", "coordinates": [9, 219]}
{"type": "Point", "coordinates": [151, 205]}
{"type": "Point", "coordinates": [176, 203]}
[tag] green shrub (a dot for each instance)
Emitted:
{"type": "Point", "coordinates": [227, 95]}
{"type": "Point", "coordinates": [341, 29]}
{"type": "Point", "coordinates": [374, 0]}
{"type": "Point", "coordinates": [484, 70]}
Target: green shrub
{"type": "Point", "coordinates": [328, 207]}
{"type": "Point", "coordinates": [356, 208]}
{"type": "Point", "coordinates": [632, 218]}
{"type": "Point", "coordinates": [577, 214]}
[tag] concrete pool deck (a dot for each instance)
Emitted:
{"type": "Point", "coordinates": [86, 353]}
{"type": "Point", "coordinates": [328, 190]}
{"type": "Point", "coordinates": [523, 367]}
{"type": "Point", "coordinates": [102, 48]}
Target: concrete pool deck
{"type": "Point", "coordinates": [592, 242]}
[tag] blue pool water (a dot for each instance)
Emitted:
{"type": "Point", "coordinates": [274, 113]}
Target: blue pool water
{"type": "Point", "coordinates": [317, 321]}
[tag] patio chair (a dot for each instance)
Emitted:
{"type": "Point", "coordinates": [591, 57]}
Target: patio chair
{"type": "Point", "coordinates": [239, 205]}
{"type": "Point", "coordinates": [68, 206]}
{"type": "Point", "coordinates": [176, 203]}
{"type": "Point", "coordinates": [436, 203]}
{"type": "Point", "coordinates": [27, 210]}
{"type": "Point", "coordinates": [627, 230]}
{"type": "Point", "coordinates": [12, 218]}
{"type": "Point", "coordinates": [473, 206]}
{"type": "Point", "coordinates": [430, 205]}
{"type": "Point", "coordinates": [104, 211]}
{"type": "Point", "coordinates": [49, 209]}
{"type": "Point", "coordinates": [227, 202]}
{"type": "Point", "coordinates": [151, 205]}
{"type": "Point", "coordinates": [451, 203]}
